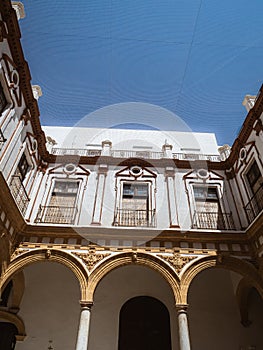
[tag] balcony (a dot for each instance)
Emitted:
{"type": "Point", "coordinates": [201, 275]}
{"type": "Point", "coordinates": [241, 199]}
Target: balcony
{"type": "Point", "coordinates": [19, 193]}
{"type": "Point", "coordinates": [144, 154]}
{"type": "Point", "coordinates": [137, 154]}
{"type": "Point", "coordinates": [255, 205]}
{"type": "Point", "coordinates": [51, 214]}
{"type": "Point", "coordinates": [76, 151]}
{"type": "Point", "coordinates": [213, 221]}
{"type": "Point", "coordinates": [134, 218]}
{"type": "Point", "coordinates": [196, 156]}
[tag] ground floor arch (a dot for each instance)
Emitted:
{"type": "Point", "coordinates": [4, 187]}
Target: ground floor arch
{"type": "Point", "coordinates": [214, 314]}
{"type": "Point", "coordinates": [117, 288]}
{"type": "Point", "coordinates": [144, 324]}
{"type": "Point", "coordinates": [49, 307]}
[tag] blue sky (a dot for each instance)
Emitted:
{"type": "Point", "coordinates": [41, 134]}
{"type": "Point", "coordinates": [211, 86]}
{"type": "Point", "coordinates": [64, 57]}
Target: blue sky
{"type": "Point", "coordinates": [196, 58]}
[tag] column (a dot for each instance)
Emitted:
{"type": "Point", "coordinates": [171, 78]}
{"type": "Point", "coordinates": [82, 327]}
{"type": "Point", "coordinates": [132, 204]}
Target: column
{"type": "Point", "coordinates": [173, 211]}
{"type": "Point", "coordinates": [83, 332]}
{"type": "Point", "coordinates": [184, 338]}
{"type": "Point", "coordinates": [98, 204]}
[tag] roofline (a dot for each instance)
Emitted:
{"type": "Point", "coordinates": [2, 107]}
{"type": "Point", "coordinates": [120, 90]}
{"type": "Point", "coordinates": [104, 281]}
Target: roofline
{"type": "Point", "coordinates": [13, 36]}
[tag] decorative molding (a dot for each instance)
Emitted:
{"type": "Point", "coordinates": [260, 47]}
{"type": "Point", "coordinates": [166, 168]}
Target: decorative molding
{"type": "Point", "coordinates": [177, 260]}
{"type": "Point", "coordinates": [91, 258]}
{"type": "Point", "coordinates": [19, 252]}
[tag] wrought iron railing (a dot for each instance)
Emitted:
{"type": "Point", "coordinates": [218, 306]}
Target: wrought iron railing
{"type": "Point", "coordinates": [197, 156]}
{"type": "Point", "coordinates": [134, 218]}
{"type": "Point", "coordinates": [51, 214]}
{"type": "Point", "coordinates": [213, 220]}
{"type": "Point", "coordinates": [137, 154]}
{"type": "Point", "coordinates": [19, 193]}
{"type": "Point", "coordinates": [76, 151]}
{"type": "Point", "coordinates": [255, 205]}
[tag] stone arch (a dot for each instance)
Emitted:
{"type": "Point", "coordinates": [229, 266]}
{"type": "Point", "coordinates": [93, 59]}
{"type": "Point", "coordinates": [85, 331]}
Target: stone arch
{"type": "Point", "coordinates": [139, 258]}
{"type": "Point", "coordinates": [239, 266]}
{"type": "Point", "coordinates": [15, 320]}
{"type": "Point", "coordinates": [51, 255]}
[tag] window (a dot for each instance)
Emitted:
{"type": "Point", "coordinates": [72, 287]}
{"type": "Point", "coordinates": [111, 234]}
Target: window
{"type": "Point", "coordinates": [255, 203]}
{"type": "Point", "coordinates": [254, 177]}
{"type": "Point", "coordinates": [3, 100]}
{"type": "Point", "coordinates": [22, 168]}
{"type": "Point", "coordinates": [135, 205]}
{"type": "Point", "coordinates": [62, 207]}
{"type": "Point", "coordinates": [208, 213]}
{"type": "Point", "coordinates": [17, 186]}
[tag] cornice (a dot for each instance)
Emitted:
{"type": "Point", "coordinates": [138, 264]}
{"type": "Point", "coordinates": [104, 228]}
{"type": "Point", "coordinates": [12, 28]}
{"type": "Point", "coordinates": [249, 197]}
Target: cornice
{"type": "Point", "coordinates": [13, 36]}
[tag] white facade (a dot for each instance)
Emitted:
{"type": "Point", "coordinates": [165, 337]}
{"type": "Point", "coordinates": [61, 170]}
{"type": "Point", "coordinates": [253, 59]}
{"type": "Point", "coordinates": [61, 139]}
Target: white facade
{"type": "Point", "coordinates": [99, 225]}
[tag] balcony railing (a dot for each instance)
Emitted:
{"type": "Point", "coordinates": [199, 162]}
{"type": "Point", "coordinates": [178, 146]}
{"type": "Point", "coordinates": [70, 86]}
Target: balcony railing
{"type": "Point", "coordinates": [137, 154]}
{"type": "Point", "coordinates": [76, 151]}
{"type": "Point", "coordinates": [134, 218]}
{"type": "Point", "coordinates": [213, 221]}
{"type": "Point", "coordinates": [19, 193]}
{"type": "Point", "coordinates": [255, 205]}
{"type": "Point", "coordinates": [196, 156]}
{"type": "Point", "coordinates": [51, 214]}
{"type": "Point", "coordinates": [133, 154]}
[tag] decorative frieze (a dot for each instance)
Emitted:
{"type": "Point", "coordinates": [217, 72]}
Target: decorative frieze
{"type": "Point", "coordinates": [177, 260]}
{"type": "Point", "coordinates": [90, 258]}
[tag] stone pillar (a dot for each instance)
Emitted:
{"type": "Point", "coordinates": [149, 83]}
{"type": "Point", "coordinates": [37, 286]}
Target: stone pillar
{"type": "Point", "coordinates": [106, 148]}
{"type": "Point", "coordinates": [184, 337]}
{"type": "Point", "coordinates": [98, 204]}
{"type": "Point", "coordinates": [167, 150]}
{"type": "Point", "coordinates": [84, 322]}
{"type": "Point", "coordinates": [37, 92]}
{"type": "Point", "coordinates": [19, 8]}
{"type": "Point", "coordinates": [173, 210]}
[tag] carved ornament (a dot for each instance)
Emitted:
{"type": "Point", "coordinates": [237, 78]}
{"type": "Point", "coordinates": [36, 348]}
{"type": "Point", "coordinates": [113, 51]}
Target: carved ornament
{"type": "Point", "coordinates": [90, 258]}
{"type": "Point", "coordinates": [177, 261]}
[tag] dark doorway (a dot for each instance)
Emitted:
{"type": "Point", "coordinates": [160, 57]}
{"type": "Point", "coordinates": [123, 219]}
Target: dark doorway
{"type": "Point", "coordinates": [144, 325]}
{"type": "Point", "coordinates": [8, 333]}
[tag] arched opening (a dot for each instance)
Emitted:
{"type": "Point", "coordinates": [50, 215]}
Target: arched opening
{"type": "Point", "coordinates": [49, 307]}
{"type": "Point", "coordinates": [144, 324]}
{"type": "Point", "coordinates": [8, 333]}
{"type": "Point", "coordinates": [214, 315]}
{"type": "Point", "coordinates": [114, 290]}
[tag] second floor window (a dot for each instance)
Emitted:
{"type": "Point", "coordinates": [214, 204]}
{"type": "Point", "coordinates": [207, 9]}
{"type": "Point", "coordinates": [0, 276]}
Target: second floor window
{"type": "Point", "coordinates": [208, 213]}
{"type": "Point", "coordinates": [135, 208]}
{"type": "Point", "coordinates": [17, 185]}
{"type": "Point", "coordinates": [255, 186]}
{"type": "Point", "coordinates": [22, 168]}
{"type": "Point", "coordinates": [254, 177]}
{"type": "Point", "coordinates": [3, 100]}
{"type": "Point", "coordinates": [62, 206]}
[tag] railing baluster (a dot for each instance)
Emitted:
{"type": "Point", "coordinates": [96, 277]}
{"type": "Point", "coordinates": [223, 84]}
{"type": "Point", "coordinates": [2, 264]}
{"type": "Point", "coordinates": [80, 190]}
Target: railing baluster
{"type": "Point", "coordinates": [19, 193]}
{"type": "Point", "coordinates": [255, 205]}
{"type": "Point", "coordinates": [56, 214]}
{"type": "Point", "coordinates": [134, 218]}
{"type": "Point", "coordinates": [213, 220]}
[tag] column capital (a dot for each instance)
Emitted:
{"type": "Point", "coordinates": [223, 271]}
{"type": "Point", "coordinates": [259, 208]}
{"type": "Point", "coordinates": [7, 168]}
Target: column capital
{"type": "Point", "coordinates": [86, 304]}
{"type": "Point", "coordinates": [181, 308]}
